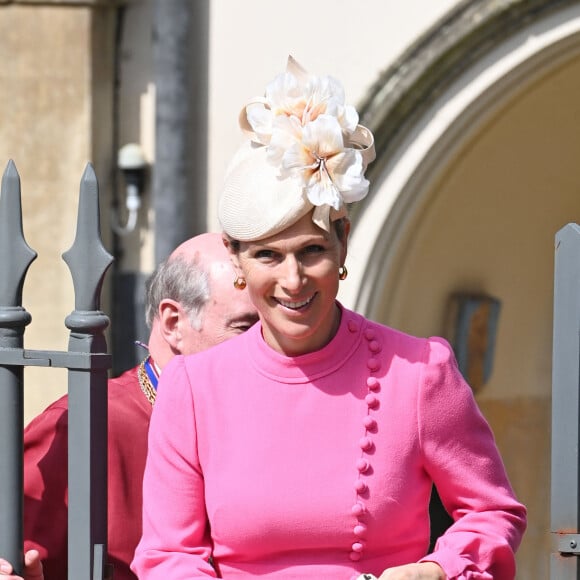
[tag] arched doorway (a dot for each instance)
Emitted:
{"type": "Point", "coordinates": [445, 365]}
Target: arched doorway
{"type": "Point", "coordinates": [468, 195]}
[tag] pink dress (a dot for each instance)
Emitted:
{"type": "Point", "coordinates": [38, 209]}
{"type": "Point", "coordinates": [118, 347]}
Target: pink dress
{"type": "Point", "coordinates": [321, 465]}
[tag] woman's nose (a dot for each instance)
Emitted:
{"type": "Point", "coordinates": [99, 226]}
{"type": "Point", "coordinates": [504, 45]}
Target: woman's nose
{"type": "Point", "coordinates": [293, 274]}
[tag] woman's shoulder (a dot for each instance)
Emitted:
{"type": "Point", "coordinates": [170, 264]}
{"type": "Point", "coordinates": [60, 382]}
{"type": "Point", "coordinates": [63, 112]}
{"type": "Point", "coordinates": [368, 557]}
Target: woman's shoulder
{"type": "Point", "coordinates": [429, 348]}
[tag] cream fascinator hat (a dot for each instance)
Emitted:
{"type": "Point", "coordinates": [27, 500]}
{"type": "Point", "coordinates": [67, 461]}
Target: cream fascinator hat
{"type": "Point", "coordinates": [305, 150]}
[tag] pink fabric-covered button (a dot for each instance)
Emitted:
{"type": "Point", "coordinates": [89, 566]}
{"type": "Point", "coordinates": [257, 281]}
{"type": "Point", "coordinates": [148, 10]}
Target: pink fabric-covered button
{"type": "Point", "coordinates": [374, 346]}
{"type": "Point", "coordinates": [360, 530]}
{"type": "Point", "coordinates": [369, 422]}
{"type": "Point", "coordinates": [358, 509]}
{"type": "Point", "coordinates": [360, 486]}
{"type": "Point", "coordinates": [369, 334]}
{"type": "Point", "coordinates": [362, 465]}
{"type": "Point", "coordinates": [355, 556]}
{"type": "Point", "coordinates": [358, 547]}
{"type": "Point", "coordinates": [352, 326]}
{"type": "Point", "coordinates": [373, 383]}
{"type": "Point", "coordinates": [365, 443]}
{"type": "Point", "coordinates": [371, 400]}
{"type": "Point", "coordinates": [373, 364]}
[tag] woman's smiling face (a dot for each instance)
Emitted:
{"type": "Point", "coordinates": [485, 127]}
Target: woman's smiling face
{"type": "Point", "coordinates": [292, 278]}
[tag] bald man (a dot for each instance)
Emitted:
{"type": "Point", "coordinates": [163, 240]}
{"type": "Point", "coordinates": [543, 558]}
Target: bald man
{"type": "Point", "coordinates": [191, 305]}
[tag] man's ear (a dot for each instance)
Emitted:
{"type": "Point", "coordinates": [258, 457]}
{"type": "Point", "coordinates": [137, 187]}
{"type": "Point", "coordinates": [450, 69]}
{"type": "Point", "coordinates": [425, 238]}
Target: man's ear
{"type": "Point", "coordinates": [169, 311]}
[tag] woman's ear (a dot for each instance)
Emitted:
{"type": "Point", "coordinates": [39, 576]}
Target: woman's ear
{"type": "Point", "coordinates": [233, 251]}
{"type": "Point", "coordinates": [227, 243]}
{"type": "Point", "coordinates": [344, 241]}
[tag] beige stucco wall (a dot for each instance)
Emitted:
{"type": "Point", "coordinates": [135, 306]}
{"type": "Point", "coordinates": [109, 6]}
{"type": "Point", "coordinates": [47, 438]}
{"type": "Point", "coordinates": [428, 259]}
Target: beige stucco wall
{"type": "Point", "coordinates": [47, 82]}
{"type": "Point", "coordinates": [489, 226]}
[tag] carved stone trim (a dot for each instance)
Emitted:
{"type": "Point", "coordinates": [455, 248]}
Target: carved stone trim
{"type": "Point", "coordinates": [423, 72]}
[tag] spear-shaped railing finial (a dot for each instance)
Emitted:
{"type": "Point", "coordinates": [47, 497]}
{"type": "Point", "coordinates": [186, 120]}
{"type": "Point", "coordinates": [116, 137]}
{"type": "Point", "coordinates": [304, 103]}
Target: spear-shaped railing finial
{"type": "Point", "coordinates": [16, 253]}
{"type": "Point", "coordinates": [87, 258]}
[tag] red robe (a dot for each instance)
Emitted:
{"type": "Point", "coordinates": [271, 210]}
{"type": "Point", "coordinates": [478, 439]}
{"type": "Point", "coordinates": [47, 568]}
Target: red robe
{"type": "Point", "coordinates": [45, 478]}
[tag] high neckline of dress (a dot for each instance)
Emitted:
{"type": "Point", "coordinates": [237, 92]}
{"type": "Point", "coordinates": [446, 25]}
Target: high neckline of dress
{"type": "Point", "coordinates": [303, 368]}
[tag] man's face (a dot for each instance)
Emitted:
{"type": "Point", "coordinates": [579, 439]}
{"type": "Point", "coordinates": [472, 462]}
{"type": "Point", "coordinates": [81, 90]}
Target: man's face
{"type": "Point", "coordinates": [227, 313]}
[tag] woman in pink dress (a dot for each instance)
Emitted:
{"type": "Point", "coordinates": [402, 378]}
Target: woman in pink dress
{"type": "Point", "coordinates": [308, 447]}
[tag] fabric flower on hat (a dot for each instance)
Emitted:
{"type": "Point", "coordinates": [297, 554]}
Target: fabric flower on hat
{"type": "Point", "coordinates": [330, 172]}
{"type": "Point", "coordinates": [302, 98]}
{"type": "Point", "coordinates": [312, 135]}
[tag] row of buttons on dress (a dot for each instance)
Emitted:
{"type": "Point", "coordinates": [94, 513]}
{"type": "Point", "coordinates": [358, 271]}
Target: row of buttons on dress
{"type": "Point", "coordinates": [366, 444]}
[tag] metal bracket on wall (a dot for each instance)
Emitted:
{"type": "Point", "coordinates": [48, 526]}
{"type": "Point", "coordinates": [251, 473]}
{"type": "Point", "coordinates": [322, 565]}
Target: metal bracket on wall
{"type": "Point", "coordinates": [568, 544]}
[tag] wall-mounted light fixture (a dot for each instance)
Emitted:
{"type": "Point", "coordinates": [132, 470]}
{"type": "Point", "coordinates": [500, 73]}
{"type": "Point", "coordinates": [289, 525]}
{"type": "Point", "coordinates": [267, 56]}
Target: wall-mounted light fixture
{"type": "Point", "coordinates": [133, 165]}
{"type": "Point", "coordinates": [472, 330]}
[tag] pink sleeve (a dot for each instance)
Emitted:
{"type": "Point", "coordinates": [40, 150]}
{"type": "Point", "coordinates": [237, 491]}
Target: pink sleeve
{"type": "Point", "coordinates": [175, 542]}
{"type": "Point", "coordinates": [464, 462]}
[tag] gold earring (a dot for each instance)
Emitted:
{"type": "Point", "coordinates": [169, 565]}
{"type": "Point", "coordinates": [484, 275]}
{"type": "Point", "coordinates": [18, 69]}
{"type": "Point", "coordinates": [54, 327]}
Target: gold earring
{"type": "Point", "coordinates": [342, 273]}
{"type": "Point", "coordinates": [239, 283]}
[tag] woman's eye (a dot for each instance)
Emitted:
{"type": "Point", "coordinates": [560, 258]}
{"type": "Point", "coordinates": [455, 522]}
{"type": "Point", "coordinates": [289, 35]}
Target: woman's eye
{"type": "Point", "coordinates": [265, 254]}
{"type": "Point", "coordinates": [314, 249]}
